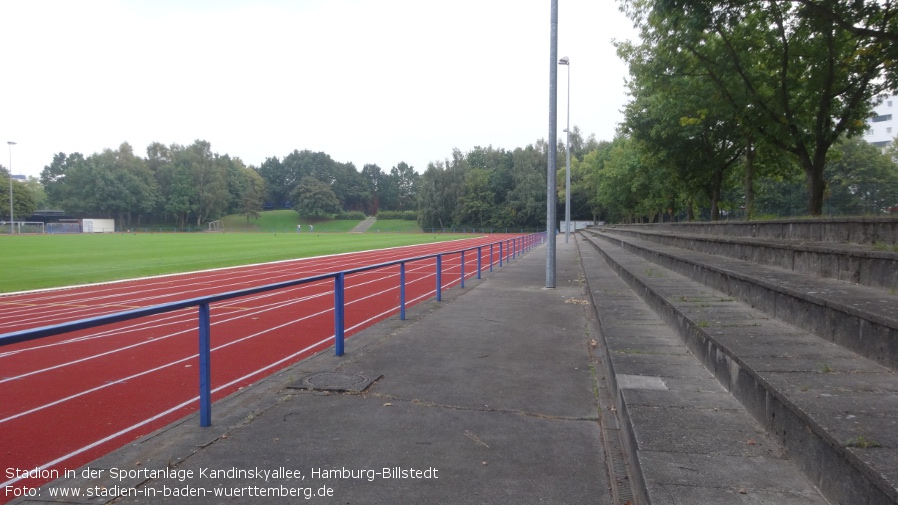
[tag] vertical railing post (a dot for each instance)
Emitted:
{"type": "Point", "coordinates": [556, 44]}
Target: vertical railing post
{"type": "Point", "coordinates": [402, 291]}
{"type": "Point", "coordinates": [339, 316]}
{"type": "Point", "coordinates": [491, 257]}
{"type": "Point", "coordinates": [439, 276]}
{"type": "Point", "coordinates": [479, 260]}
{"type": "Point", "coordinates": [205, 352]}
{"type": "Point", "coordinates": [462, 283]}
{"type": "Point", "coordinates": [500, 254]}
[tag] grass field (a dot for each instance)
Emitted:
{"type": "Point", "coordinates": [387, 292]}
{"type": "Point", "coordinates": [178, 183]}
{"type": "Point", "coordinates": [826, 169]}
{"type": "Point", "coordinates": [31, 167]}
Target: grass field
{"type": "Point", "coordinates": [43, 261]}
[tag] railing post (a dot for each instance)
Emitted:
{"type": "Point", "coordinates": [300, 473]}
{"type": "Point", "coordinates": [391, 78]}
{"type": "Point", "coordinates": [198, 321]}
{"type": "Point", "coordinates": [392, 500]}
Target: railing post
{"type": "Point", "coordinates": [479, 260]}
{"type": "Point", "coordinates": [338, 314]}
{"type": "Point", "coordinates": [500, 254]}
{"type": "Point", "coordinates": [439, 276]}
{"type": "Point", "coordinates": [462, 284]}
{"type": "Point", "coordinates": [491, 257]}
{"type": "Point", "coordinates": [205, 352]}
{"type": "Point", "coordinates": [402, 291]}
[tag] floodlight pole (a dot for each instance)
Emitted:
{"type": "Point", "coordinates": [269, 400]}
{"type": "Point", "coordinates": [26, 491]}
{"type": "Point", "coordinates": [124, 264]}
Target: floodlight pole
{"type": "Point", "coordinates": [11, 218]}
{"type": "Point", "coordinates": [567, 147]}
{"type": "Point", "coordinates": [553, 126]}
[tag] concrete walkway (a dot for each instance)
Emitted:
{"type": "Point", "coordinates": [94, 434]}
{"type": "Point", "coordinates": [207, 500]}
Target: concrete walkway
{"type": "Point", "coordinates": [364, 225]}
{"type": "Point", "coordinates": [489, 396]}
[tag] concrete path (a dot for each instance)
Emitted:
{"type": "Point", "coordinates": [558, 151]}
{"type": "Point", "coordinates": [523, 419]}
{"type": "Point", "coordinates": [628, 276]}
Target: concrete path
{"type": "Point", "coordinates": [364, 225]}
{"type": "Point", "coordinates": [485, 397]}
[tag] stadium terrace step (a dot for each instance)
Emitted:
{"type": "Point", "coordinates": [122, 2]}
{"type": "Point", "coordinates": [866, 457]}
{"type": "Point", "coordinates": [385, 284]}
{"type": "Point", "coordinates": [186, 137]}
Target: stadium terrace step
{"type": "Point", "coordinates": [853, 230]}
{"type": "Point", "coordinates": [689, 440]}
{"type": "Point", "coordinates": [832, 411]}
{"type": "Point", "coordinates": [859, 318]}
{"type": "Point", "coordinates": [860, 263]}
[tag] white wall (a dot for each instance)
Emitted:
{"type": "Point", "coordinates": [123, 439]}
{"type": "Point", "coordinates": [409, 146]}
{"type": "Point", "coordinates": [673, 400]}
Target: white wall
{"type": "Point", "coordinates": [98, 225]}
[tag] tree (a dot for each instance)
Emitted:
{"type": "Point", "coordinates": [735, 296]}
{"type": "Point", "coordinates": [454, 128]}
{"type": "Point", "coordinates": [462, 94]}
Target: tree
{"type": "Point", "coordinates": [405, 180]}
{"type": "Point", "coordinates": [313, 198]}
{"type": "Point", "coordinates": [252, 193]}
{"type": "Point", "coordinates": [801, 81]}
{"type": "Point", "coordinates": [475, 207]}
{"type": "Point", "coordinates": [23, 202]}
{"type": "Point", "coordinates": [861, 179]}
{"type": "Point", "coordinates": [526, 200]}
{"type": "Point", "coordinates": [873, 21]}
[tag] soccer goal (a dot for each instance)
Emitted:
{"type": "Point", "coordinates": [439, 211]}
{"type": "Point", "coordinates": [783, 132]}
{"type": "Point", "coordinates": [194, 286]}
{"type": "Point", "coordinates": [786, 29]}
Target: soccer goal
{"type": "Point", "coordinates": [20, 227]}
{"type": "Point", "coordinates": [215, 226]}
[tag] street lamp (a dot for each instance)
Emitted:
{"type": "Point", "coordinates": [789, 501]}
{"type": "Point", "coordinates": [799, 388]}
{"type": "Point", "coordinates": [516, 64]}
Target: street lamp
{"type": "Point", "coordinates": [11, 220]}
{"type": "Point", "coordinates": [567, 178]}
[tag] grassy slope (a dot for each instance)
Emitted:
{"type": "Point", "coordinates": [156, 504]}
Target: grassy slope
{"type": "Point", "coordinates": [394, 226]}
{"type": "Point", "coordinates": [40, 261]}
{"type": "Point", "coordinates": [284, 221]}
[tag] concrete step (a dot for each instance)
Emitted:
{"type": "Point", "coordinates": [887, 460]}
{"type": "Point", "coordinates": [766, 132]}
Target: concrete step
{"type": "Point", "coordinates": [688, 439]}
{"type": "Point", "coordinates": [847, 230]}
{"type": "Point", "coordinates": [864, 264]}
{"type": "Point", "coordinates": [859, 318]}
{"type": "Point", "coordinates": [364, 225]}
{"type": "Point", "coordinates": [832, 411]}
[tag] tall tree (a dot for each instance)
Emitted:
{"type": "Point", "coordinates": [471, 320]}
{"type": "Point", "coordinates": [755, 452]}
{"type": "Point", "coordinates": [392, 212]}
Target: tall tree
{"type": "Point", "coordinates": [405, 180]}
{"type": "Point", "coordinates": [23, 201]}
{"type": "Point", "coordinates": [801, 81]}
{"type": "Point", "coordinates": [314, 198]}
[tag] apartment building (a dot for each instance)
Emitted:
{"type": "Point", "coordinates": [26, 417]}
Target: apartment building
{"type": "Point", "coordinates": [883, 127]}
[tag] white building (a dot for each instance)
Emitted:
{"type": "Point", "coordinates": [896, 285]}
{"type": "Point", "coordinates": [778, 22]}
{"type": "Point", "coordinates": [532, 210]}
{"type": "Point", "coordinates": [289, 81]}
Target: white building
{"type": "Point", "coordinates": [883, 127]}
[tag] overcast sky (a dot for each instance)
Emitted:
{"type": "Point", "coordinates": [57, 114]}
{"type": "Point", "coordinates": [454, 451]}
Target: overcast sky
{"type": "Point", "coordinates": [365, 81]}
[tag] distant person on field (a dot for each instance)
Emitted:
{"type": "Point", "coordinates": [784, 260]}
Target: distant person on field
{"type": "Point", "coordinates": [298, 228]}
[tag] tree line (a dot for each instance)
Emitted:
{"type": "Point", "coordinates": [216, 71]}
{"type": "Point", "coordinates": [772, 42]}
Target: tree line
{"type": "Point", "coordinates": [758, 93]}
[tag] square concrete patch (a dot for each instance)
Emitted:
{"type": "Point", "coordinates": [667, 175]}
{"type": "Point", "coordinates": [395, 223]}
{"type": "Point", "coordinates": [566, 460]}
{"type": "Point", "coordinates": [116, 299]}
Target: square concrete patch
{"type": "Point", "coordinates": [640, 382]}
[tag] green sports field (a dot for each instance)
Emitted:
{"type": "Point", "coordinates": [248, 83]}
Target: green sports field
{"type": "Point", "coordinates": [43, 261]}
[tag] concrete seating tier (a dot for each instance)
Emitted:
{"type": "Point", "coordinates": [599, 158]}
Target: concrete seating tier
{"type": "Point", "coordinates": [811, 359]}
{"type": "Point", "coordinates": [871, 260]}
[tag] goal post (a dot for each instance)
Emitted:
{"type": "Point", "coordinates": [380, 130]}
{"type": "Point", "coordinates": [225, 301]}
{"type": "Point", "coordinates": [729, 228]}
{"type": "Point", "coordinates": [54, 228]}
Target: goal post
{"type": "Point", "coordinates": [215, 226]}
{"type": "Point", "coordinates": [22, 227]}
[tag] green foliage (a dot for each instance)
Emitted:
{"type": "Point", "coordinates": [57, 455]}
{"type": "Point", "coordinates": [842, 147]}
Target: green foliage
{"type": "Point", "coordinates": [23, 196]}
{"type": "Point", "coordinates": [314, 198]}
{"type": "Point", "coordinates": [355, 215]}
{"type": "Point", "coordinates": [790, 77]}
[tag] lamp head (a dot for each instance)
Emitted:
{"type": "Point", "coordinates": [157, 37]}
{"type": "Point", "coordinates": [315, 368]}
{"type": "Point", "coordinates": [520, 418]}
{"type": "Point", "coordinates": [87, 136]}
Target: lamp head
{"type": "Point", "coordinates": [564, 61]}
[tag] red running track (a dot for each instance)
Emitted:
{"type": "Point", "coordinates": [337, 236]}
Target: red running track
{"type": "Point", "coordinates": [69, 399]}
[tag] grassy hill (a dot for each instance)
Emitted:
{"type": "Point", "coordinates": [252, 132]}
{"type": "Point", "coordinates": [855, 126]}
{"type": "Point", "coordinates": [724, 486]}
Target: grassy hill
{"type": "Point", "coordinates": [284, 221]}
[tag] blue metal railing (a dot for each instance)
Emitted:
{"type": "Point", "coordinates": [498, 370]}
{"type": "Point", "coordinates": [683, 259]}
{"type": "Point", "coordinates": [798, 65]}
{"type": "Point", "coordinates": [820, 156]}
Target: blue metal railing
{"type": "Point", "coordinates": [522, 243]}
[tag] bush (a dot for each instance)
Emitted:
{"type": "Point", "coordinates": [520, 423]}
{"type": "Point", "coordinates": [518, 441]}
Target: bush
{"type": "Point", "coordinates": [354, 215]}
{"type": "Point", "coordinates": [407, 215]}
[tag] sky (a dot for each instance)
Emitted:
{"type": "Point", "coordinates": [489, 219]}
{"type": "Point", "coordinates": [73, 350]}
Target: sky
{"type": "Point", "coordinates": [365, 81]}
